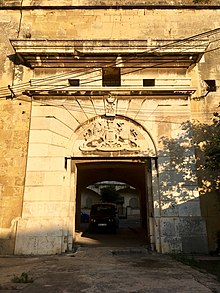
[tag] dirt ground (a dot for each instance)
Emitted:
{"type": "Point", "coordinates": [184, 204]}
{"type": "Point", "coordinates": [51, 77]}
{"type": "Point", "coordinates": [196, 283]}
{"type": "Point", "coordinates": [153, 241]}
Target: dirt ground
{"type": "Point", "coordinates": [102, 263]}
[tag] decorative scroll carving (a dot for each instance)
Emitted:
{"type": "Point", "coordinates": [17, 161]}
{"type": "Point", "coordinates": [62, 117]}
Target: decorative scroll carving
{"type": "Point", "coordinates": [110, 135]}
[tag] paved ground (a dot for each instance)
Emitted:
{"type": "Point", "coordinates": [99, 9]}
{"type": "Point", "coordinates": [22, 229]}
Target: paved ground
{"type": "Point", "coordinates": [105, 263]}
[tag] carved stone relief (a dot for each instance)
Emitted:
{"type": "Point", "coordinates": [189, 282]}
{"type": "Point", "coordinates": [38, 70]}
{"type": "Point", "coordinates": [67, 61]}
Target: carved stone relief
{"type": "Point", "coordinates": [110, 135]}
{"type": "Point", "coordinates": [110, 106]}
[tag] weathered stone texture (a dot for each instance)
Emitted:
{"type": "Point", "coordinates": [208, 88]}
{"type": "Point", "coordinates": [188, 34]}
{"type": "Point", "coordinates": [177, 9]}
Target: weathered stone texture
{"type": "Point", "coordinates": [116, 3]}
{"type": "Point", "coordinates": [126, 24]}
{"type": "Point", "coordinates": [13, 153]}
{"type": "Point", "coordinates": [53, 129]}
{"type": "Point", "coordinates": [14, 132]}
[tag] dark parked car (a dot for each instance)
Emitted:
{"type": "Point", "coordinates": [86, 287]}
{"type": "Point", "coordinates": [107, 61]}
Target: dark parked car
{"type": "Point", "coordinates": [84, 218]}
{"type": "Point", "coordinates": [103, 216]}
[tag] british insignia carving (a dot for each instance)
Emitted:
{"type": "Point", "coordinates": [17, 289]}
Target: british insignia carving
{"type": "Point", "coordinates": [110, 135]}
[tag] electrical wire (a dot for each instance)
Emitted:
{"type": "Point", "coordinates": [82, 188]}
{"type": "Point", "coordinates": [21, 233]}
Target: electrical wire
{"type": "Point", "coordinates": [71, 107]}
{"type": "Point", "coordinates": [21, 16]}
{"type": "Point", "coordinates": [90, 110]}
{"type": "Point", "coordinates": [89, 81]}
{"type": "Point", "coordinates": [207, 33]}
{"type": "Point", "coordinates": [94, 79]}
{"type": "Point", "coordinates": [64, 75]}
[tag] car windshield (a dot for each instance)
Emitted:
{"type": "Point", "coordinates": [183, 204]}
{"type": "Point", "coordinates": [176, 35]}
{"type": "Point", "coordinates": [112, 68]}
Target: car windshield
{"type": "Point", "coordinates": [103, 209]}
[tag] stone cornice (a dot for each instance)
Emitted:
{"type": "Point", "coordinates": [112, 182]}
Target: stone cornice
{"type": "Point", "coordinates": [45, 53]}
{"type": "Point", "coordinates": [182, 92]}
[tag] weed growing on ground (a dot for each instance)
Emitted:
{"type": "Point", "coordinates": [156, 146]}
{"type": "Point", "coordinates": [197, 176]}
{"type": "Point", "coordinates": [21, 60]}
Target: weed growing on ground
{"type": "Point", "coordinates": [23, 278]}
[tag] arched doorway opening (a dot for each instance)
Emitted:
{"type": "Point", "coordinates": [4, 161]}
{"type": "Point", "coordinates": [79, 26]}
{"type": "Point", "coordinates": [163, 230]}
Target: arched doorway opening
{"type": "Point", "coordinates": [124, 196]}
{"type": "Point", "coordinates": [114, 148]}
{"type": "Point", "coordinates": [130, 172]}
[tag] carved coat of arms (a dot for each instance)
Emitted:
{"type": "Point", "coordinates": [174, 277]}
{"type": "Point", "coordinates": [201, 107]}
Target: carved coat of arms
{"type": "Point", "coordinates": [110, 135]}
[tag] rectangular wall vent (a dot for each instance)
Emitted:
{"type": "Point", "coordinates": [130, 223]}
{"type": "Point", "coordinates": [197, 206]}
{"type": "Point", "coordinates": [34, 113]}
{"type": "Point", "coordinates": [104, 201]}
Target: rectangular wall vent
{"type": "Point", "coordinates": [148, 82]}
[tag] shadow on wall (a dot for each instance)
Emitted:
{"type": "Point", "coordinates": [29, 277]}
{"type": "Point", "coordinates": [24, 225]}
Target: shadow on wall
{"type": "Point", "coordinates": [182, 169]}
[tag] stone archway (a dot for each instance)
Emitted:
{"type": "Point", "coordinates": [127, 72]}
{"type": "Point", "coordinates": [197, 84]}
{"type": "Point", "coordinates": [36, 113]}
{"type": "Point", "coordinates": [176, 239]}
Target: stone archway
{"type": "Point", "coordinates": [128, 171]}
{"type": "Point", "coordinates": [47, 224]}
{"type": "Point", "coordinates": [114, 148]}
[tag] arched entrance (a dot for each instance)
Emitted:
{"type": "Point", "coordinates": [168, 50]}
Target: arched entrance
{"type": "Point", "coordinates": [133, 172]}
{"type": "Point", "coordinates": [102, 148]}
{"type": "Point", "coordinates": [114, 148]}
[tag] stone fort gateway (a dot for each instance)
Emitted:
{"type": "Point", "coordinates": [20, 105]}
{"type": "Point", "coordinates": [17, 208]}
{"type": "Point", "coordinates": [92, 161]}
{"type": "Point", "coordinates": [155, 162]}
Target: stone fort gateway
{"type": "Point", "coordinates": [96, 91]}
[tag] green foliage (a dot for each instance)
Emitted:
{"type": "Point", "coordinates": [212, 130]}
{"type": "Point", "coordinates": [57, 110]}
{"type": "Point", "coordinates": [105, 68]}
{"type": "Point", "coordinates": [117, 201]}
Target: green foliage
{"type": "Point", "coordinates": [205, 139]}
{"type": "Point", "coordinates": [23, 278]}
{"type": "Point", "coordinates": [212, 152]}
{"type": "Point", "coordinates": [212, 148]}
{"type": "Point", "coordinates": [109, 194]}
{"type": "Point", "coordinates": [207, 146]}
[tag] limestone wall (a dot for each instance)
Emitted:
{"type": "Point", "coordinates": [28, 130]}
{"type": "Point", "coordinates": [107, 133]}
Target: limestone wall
{"type": "Point", "coordinates": [116, 24]}
{"type": "Point", "coordinates": [134, 24]}
{"type": "Point", "coordinates": [103, 3]}
{"type": "Point", "coordinates": [14, 133]}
